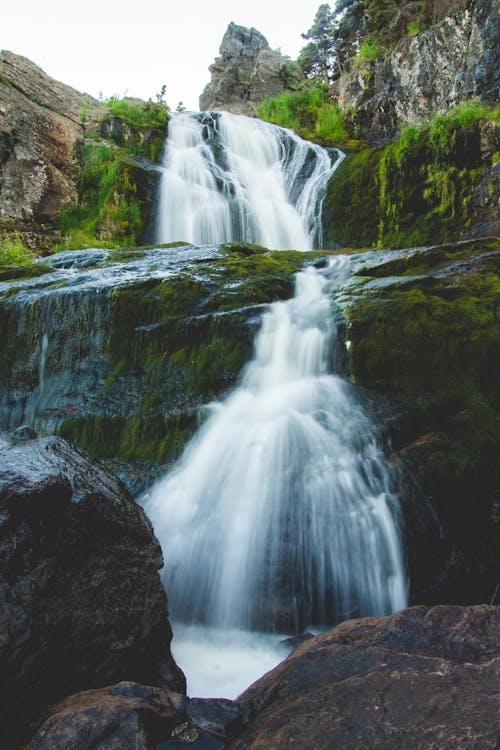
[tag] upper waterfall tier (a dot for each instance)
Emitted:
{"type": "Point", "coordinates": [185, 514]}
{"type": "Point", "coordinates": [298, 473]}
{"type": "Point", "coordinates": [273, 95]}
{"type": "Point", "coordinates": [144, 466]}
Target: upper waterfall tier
{"type": "Point", "coordinates": [230, 178]}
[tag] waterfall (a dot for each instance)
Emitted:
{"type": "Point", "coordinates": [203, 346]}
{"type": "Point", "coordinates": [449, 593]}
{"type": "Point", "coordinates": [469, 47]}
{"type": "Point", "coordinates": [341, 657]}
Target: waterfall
{"type": "Point", "coordinates": [229, 178]}
{"type": "Point", "coordinates": [279, 514]}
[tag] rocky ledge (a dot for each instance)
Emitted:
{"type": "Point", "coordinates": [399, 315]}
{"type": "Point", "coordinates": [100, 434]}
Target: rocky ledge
{"type": "Point", "coordinates": [81, 602]}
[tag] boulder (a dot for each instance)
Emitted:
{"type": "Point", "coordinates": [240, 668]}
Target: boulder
{"type": "Point", "coordinates": [81, 601]}
{"type": "Point", "coordinates": [247, 72]}
{"type": "Point", "coordinates": [126, 716]}
{"type": "Point", "coordinates": [421, 678]}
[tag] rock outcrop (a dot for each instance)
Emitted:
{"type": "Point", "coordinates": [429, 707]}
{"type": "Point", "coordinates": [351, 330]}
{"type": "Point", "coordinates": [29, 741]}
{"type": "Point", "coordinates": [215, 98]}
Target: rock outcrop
{"type": "Point", "coordinates": [122, 372]}
{"type": "Point", "coordinates": [247, 72]}
{"type": "Point", "coordinates": [41, 132]}
{"type": "Point", "coordinates": [81, 602]}
{"type": "Point", "coordinates": [419, 678]}
{"type": "Point", "coordinates": [455, 60]}
{"type": "Point", "coordinates": [46, 155]}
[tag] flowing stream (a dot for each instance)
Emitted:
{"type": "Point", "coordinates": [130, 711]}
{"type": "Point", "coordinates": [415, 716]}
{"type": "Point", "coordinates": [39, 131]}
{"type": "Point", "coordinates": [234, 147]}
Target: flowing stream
{"type": "Point", "coordinates": [279, 515]}
{"type": "Point", "coordinates": [230, 178]}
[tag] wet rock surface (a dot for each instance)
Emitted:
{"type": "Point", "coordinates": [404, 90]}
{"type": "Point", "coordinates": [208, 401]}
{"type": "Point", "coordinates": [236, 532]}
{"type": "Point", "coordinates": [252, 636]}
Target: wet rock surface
{"type": "Point", "coordinates": [419, 678]}
{"type": "Point", "coordinates": [81, 600]}
{"type": "Point", "coordinates": [425, 339]}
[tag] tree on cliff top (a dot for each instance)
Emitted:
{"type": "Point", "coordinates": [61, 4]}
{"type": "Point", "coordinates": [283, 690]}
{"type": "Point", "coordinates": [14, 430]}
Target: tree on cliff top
{"type": "Point", "coordinates": [317, 58]}
{"type": "Point", "coordinates": [333, 38]}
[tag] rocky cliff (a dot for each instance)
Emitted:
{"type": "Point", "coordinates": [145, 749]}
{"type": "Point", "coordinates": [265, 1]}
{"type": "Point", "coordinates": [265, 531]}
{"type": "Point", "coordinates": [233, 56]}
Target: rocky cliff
{"type": "Point", "coordinates": [247, 72]}
{"type": "Point", "coordinates": [454, 60]}
{"type": "Point", "coordinates": [41, 132]}
{"type": "Point", "coordinates": [49, 158]}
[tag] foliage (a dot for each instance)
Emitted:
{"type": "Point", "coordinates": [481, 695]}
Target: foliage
{"type": "Point", "coordinates": [139, 114]}
{"type": "Point", "coordinates": [413, 191]}
{"type": "Point", "coordinates": [317, 58]}
{"type": "Point", "coordinates": [362, 29]}
{"type": "Point", "coordinates": [14, 253]}
{"type": "Point", "coordinates": [308, 112]}
{"type": "Point", "coordinates": [109, 212]}
{"type": "Point", "coordinates": [369, 50]}
{"type": "Point", "coordinates": [142, 126]}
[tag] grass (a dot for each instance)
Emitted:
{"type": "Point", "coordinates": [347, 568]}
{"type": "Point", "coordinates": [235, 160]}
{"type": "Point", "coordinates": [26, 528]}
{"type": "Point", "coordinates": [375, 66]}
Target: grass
{"type": "Point", "coordinates": [14, 253]}
{"type": "Point", "coordinates": [308, 112]}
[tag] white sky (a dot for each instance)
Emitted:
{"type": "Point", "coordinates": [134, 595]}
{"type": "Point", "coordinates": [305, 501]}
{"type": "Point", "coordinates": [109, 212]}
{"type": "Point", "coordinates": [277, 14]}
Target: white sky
{"type": "Point", "coordinates": [119, 47]}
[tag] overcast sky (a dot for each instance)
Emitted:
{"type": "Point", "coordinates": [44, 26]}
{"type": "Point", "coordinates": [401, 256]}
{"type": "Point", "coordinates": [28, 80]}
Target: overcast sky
{"type": "Point", "coordinates": [132, 48]}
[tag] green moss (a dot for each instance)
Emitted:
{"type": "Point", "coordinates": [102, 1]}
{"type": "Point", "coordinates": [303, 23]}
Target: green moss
{"type": "Point", "coordinates": [29, 271]}
{"type": "Point", "coordinates": [148, 437]}
{"type": "Point", "coordinates": [411, 192]}
{"type": "Point", "coordinates": [441, 333]}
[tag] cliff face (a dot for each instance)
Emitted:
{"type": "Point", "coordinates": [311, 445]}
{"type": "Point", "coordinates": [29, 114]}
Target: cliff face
{"type": "Point", "coordinates": [247, 72]}
{"type": "Point", "coordinates": [456, 59]}
{"type": "Point", "coordinates": [41, 132]}
{"type": "Point", "coordinates": [57, 147]}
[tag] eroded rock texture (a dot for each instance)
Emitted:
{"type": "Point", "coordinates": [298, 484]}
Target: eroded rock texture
{"type": "Point", "coordinates": [41, 132]}
{"type": "Point", "coordinates": [247, 72]}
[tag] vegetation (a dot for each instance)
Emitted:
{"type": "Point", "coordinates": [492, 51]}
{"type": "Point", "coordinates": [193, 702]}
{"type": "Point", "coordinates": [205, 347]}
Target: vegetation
{"type": "Point", "coordinates": [110, 212]}
{"type": "Point", "coordinates": [141, 127]}
{"type": "Point", "coordinates": [425, 329]}
{"type": "Point", "coordinates": [360, 29]}
{"type": "Point", "coordinates": [308, 112]}
{"type": "Point", "coordinates": [415, 190]}
{"type": "Point", "coordinates": [14, 253]}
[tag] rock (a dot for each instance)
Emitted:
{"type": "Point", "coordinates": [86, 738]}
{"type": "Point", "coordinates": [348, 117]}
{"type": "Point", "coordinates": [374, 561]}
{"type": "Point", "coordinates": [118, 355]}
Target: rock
{"type": "Point", "coordinates": [455, 60]}
{"type": "Point", "coordinates": [168, 324]}
{"type": "Point", "coordinates": [247, 72]}
{"type": "Point", "coordinates": [425, 338]}
{"type": "Point", "coordinates": [82, 605]}
{"type": "Point", "coordinates": [41, 132]}
{"type": "Point", "coordinates": [126, 716]}
{"type": "Point", "coordinates": [420, 678]}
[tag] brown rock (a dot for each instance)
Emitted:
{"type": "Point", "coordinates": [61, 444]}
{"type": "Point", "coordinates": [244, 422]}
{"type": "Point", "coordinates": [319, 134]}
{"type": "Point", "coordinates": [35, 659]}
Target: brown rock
{"type": "Point", "coordinates": [127, 716]}
{"type": "Point", "coordinates": [42, 124]}
{"type": "Point", "coordinates": [81, 602]}
{"type": "Point", "coordinates": [422, 678]}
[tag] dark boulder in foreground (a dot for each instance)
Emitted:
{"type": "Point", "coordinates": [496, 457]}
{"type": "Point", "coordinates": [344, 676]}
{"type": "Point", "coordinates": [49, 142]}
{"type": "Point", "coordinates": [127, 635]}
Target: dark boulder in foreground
{"type": "Point", "coordinates": [127, 716]}
{"type": "Point", "coordinates": [422, 678]}
{"type": "Point", "coordinates": [81, 602]}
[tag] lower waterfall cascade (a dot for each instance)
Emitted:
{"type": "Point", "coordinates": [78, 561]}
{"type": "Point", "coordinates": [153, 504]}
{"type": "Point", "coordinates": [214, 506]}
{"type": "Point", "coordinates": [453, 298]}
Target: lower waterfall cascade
{"type": "Point", "coordinates": [280, 514]}
{"type": "Point", "coordinates": [229, 178]}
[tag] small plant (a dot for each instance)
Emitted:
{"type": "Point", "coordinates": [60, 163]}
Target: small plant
{"type": "Point", "coordinates": [369, 51]}
{"type": "Point", "coordinates": [414, 28]}
{"type": "Point", "coordinates": [14, 253]}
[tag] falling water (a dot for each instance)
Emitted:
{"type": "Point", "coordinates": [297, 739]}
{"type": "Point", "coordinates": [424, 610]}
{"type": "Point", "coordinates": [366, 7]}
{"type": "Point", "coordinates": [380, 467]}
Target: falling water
{"type": "Point", "coordinates": [231, 178]}
{"type": "Point", "coordinates": [280, 513]}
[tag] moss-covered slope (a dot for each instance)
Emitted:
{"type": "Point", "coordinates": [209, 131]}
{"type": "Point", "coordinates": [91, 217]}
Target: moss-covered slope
{"type": "Point", "coordinates": [431, 185]}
